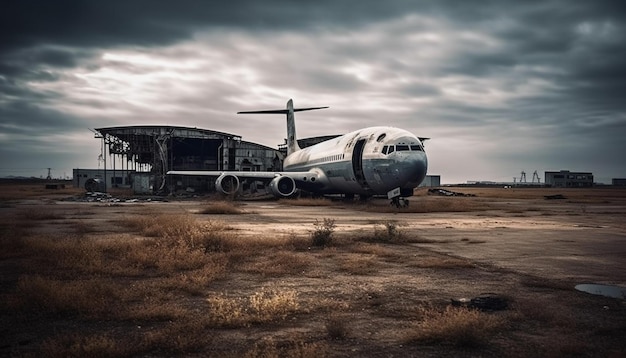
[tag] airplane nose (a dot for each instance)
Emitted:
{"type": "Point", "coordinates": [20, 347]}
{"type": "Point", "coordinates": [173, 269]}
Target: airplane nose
{"type": "Point", "coordinates": [415, 168]}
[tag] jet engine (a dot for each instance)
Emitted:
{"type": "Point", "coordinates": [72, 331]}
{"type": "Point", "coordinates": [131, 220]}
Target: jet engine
{"type": "Point", "coordinates": [283, 186]}
{"type": "Point", "coordinates": [227, 184]}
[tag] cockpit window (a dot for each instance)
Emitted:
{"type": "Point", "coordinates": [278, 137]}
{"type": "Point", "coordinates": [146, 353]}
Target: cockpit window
{"type": "Point", "coordinates": [402, 148]}
{"type": "Point", "coordinates": [381, 137]}
{"type": "Point", "coordinates": [417, 148]}
{"type": "Point", "coordinates": [391, 149]}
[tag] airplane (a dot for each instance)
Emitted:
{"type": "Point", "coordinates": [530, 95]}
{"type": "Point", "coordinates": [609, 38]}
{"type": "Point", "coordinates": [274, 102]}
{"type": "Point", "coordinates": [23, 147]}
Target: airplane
{"type": "Point", "coordinates": [366, 162]}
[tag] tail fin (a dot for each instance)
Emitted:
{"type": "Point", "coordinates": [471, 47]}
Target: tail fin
{"type": "Point", "coordinates": [292, 141]}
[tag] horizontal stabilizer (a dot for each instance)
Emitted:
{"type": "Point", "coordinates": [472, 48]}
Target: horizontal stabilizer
{"type": "Point", "coordinates": [281, 111]}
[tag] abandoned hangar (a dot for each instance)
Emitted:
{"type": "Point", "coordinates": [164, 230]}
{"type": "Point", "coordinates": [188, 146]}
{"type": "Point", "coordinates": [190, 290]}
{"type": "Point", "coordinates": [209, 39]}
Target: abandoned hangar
{"type": "Point", "coordinates": [140, 156]}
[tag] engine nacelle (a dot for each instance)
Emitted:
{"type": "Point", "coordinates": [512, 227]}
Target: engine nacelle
{"type": "Point", "coordinates": [283, 186]}
{"type": "Point", "coordinates": [227, 184]}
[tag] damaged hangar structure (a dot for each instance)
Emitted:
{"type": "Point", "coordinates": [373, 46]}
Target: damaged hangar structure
{"type": "Point", "coordinates": [149, 152]}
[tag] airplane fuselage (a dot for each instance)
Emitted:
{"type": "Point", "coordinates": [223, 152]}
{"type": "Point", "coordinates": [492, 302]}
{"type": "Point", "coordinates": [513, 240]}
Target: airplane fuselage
{"type": "Point", "coordinates": [368, 161]}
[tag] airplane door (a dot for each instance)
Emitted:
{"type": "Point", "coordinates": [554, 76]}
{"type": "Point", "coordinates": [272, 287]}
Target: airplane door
{"type": "Point", "coordinates": [357, 163]}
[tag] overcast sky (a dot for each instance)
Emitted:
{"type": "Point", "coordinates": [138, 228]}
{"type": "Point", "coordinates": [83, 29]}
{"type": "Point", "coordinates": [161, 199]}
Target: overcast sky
{"type": "Point", "coordinates": [499, 86]}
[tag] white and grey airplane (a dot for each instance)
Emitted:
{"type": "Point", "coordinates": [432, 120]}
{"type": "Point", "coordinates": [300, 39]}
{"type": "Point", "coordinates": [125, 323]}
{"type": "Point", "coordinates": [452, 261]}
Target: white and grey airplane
{"type": "Point", "coordinates": [366, 162]}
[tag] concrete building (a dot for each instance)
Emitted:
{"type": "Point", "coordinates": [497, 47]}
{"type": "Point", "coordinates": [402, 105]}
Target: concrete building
{"type": "Point", "coordinates": [95, 179]}
{"type": "Point", "coordinates": [567, 179]}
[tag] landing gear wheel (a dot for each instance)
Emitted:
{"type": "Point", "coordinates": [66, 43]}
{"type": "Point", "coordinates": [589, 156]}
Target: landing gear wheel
{"type": "Point", "coordinates": [399, 202]}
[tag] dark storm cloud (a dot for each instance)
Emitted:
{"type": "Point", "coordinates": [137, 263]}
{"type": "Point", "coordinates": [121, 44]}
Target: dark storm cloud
{"type": "Point", "coordinates": [550, 70]}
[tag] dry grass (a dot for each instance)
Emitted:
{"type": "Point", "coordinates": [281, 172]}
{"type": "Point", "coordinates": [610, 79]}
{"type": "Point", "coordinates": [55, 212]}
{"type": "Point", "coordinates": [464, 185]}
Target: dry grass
{"type": "Point", "coordinates": [265, 305]}
{"type": "Point", "coordinates": [360, 265]}
{"type": "Point", "coordinates": [80, 345]}
{"type": "Point", "coordinates": [457, 326]}
{"type": "Point", "coordinates": [39, 213]}
{"type": "Point", "coordinates": [221, 208]}
{"type": "Point", "coordinates": [279, 263]}
{"type": "Point", "coordinates": [89, 296]}
{"type": "Point", "coordinates": [11, 191]}
{"type": "Point", "coordinates": [294, 347]}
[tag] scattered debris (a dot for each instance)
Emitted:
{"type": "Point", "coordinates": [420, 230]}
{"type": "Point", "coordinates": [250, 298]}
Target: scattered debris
{"type": "Point", "coordinates": [483, 302]}
{"type": "Point", "coordinates": [100, 197]}
{"type": "Point", "coordinates": [554, 197]}
{"type": "Point", "coordinates": [444, 192]}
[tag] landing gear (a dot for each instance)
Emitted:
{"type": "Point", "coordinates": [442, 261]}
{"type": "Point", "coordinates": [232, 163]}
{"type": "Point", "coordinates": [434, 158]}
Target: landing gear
{"type": "Point", "coordinates": [399, 202]}
{"type": "Point", "coordinates": [396, 200]}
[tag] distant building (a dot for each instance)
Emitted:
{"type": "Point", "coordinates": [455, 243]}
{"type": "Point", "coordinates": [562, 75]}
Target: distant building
{"type": "Point", "coordinates": [567, 179]}
{"type": "Point", "coordinates": [618, 181]}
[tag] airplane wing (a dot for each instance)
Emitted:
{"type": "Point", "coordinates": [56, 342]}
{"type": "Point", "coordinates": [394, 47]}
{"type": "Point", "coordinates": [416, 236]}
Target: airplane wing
{"type": "Point", "coordinates": [211, 173]}
{"type": "Point", "coordinates": [281, 184]}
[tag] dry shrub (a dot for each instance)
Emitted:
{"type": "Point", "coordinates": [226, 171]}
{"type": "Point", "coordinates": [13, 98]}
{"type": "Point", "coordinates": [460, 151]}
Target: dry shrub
{"type": "Point", "coordinates": [266, 305]}
{"type": "Point", "coordinates": [325, 304]}
{"type": "Point", "coordinates": [180, 243]}
{"type": "Point", "coordinates": [388, 231]}
{"type": "Point", "coordinates": [151, 309]}
{"type": "Point", "coordinates": [272, 304]}
{"type": "Point", "coordinates": [195, 282]}
{"type": "Point", "coordinates": [295, 347]}
{"type": "Point", "coordinates": [221, 208]}
{"type": "Point", "coordinates": [323, 233]}
{"type": "Point", "coordinates": [461, 327]}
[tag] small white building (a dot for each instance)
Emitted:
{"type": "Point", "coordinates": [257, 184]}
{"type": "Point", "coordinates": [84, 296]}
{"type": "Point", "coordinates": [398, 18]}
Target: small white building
{"type": "Point", "coordinates": [431, 180]}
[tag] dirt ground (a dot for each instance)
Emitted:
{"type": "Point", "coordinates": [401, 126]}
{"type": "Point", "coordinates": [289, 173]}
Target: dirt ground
{"type": "Point", "coordinates": [362, 295]}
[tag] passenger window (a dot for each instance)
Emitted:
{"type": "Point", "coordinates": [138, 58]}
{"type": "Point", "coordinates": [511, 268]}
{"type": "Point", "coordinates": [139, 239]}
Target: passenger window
{"type": "Point", "coordinates": [381, 137]}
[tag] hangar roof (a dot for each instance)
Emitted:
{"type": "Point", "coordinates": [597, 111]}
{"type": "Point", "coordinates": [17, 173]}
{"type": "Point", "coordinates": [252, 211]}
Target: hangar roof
{"type": "Point", "coordinates": [125, 132]}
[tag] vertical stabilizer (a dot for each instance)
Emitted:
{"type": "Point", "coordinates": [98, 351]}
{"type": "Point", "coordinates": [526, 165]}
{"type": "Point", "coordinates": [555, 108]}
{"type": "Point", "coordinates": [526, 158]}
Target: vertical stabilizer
{"type": "Point", "coordinates": [292, 140]}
